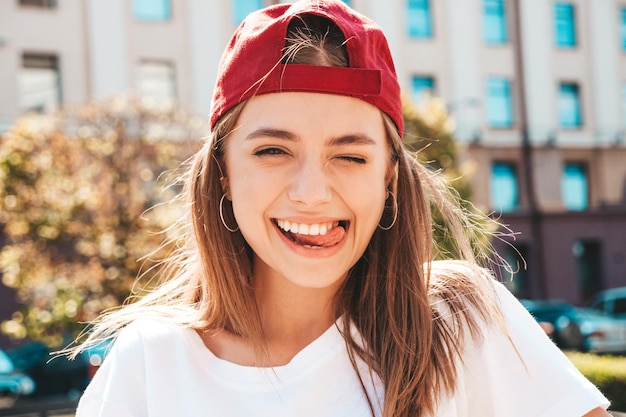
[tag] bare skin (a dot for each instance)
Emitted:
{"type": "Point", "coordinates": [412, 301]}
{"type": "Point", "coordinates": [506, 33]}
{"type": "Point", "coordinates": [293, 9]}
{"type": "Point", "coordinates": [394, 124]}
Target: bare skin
{"type": "Point", "coordinates": [290, 324]}
{"type": "Point", "coordinates": [597, 412]}
{"type": "Point", "coordinates": [284, 166]}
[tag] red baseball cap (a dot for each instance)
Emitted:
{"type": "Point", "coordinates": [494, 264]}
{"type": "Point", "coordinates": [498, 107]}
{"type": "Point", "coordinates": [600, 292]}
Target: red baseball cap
{"type": "Point", "coordinates": [251, 64]}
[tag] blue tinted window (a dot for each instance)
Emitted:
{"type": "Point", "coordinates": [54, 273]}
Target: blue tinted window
{"type": "Point", "coordinates": [574, 187]}
{"type": "Point", "coordinates": [422, 86]}
{"type": "Point", "coordinates": [569, 106]}
{"type": "Point", "coordinates": [243, 8]}
{"type": "Point", "coordinates": [419, 23]}
{"type": "Point", "coordinates": [499, 103]}
{"type": "Point", "coordinates": [348, 2]}
{"type": "Point", "coordinates": [152, 10]}
{"type": "Point", "coordinates": [494, 22]}
{"type": "Point", "coordinates": [564, 25]}
{"type": "Point", "coordinates": [503, 187]}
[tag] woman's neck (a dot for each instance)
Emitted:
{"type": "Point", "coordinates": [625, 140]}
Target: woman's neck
{"type": "Point", "coordinates": [292, 317]}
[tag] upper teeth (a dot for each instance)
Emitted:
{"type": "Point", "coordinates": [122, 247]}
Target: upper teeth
{"type": "Point", "coordinates": [306, 229]}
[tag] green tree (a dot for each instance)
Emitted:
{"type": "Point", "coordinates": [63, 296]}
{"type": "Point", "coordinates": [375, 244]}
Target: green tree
{"type": "Point", "coordinates": [75, 188]}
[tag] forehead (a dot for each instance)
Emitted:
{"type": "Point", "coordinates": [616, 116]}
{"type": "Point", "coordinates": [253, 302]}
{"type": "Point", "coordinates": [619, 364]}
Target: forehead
{"type": "Point", "coordinates": [312, 115]}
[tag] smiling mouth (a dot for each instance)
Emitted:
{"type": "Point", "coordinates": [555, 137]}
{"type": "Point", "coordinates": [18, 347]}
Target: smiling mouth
{"type": "Point", "coordinates": [315, 235]}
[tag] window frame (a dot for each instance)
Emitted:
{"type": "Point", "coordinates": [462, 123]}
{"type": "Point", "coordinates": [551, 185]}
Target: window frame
{"type": "Point", "coordinates": [172, 86]}
{"type": "Point", "coordinates": [500, 18]}
{"type": "Point", "coordinates": [496, 102]}
{"type": "Point", "coordinates": [429, 79]}
{"type": "Point", "coordinates": [565, 100]}
{"type": "Point", "coordinates": [41, 61]}
{"type": "Point", "coordinates": [565, 30]}
{"type": "Point", "coordinates": [566, 190]}
{"type": "Point", "coordinates": [239, 15]}
{"type": "Point", "coordinates": [512, 204]}
{"type": "Point", "coordinates": [39, 4]}
{"type": "Point", "coordinates": [164, 15]}
{"type": "Point", "coordinates": [422, 11]}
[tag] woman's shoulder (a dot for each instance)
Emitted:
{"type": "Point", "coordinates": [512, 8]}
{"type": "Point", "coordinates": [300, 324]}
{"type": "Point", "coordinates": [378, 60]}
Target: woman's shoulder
{"type": "Point", "coordinates": [459, 271]}
{"type": "Point", "coordinates": [464, 296]}
{"type": "Point", "coordinates": [154, 328]}
{"type": "Point", "coordinates": [469, 284]}
{"type": "Point", "coordinates": [468, 299]}
{"type": "Point", "coordinates": [149, 333]}
{"type": "Point", "coordinates": [459, 280]}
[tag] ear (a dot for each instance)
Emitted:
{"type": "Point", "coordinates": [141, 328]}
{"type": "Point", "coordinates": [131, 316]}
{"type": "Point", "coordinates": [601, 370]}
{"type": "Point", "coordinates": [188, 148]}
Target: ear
{"type": "Point", "coordinates": [392, 177]}
{"type": "Point", "coordinates": [225, 187]}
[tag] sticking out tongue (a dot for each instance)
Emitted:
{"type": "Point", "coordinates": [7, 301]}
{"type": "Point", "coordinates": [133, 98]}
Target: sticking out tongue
{"type": "Point", "coordinates": [331, 238]}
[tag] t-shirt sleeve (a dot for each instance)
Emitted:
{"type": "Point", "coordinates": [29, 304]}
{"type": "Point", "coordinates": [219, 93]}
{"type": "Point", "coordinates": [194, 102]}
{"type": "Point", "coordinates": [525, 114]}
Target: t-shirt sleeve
{"type": "Point", "coordinates": [517, 371]}
{"type": "Point", "coordinates": [118, 387]}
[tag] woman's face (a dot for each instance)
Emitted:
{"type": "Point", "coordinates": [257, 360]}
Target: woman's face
{"type": "Point", "coordinates": [307, 175]}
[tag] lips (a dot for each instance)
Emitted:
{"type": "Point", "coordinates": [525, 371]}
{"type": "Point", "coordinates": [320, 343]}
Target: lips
{"type": "Point", "coordinates": [313, 235]}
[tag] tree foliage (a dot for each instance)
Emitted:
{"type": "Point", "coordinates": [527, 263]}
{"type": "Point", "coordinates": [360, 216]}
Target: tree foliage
{"type": "Point", "coordinates": [75, 188]}
{"type": "Point", "coordinates": [75, 194]}
{"type": "Point", "coordinates": [429, 131]}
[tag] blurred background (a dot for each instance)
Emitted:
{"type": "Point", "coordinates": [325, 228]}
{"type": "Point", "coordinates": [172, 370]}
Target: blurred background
{"type": "Point", "coordinates": [522, 102]}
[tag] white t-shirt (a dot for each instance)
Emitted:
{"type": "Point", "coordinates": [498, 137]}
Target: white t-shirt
{"type": "Point", "coordinates": [157, 369]}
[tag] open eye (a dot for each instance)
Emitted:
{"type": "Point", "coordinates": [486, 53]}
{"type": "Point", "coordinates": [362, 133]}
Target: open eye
{"type": "Point", "coordinates": [269, 151]}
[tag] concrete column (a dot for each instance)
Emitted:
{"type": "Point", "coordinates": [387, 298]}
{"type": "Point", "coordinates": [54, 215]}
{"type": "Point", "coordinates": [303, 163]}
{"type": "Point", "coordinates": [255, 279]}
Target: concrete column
{"type": "Point", "coordinates": [538, 41]}
{"type": "Point", "coordinates": [108, 33]}
{"type": "Point", "coordinates": [606, 88]}
{"type": "Point", "coordinates": [463, 28]}
{"type": "Point", "coordinates": [390, 16]}
{"type": "Point", "coordinates": [210, 29]}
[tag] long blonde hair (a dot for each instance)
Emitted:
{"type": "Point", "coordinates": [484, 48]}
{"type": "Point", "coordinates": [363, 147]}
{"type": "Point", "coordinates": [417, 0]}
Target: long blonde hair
{"type": "Point", "coordinates": [412, 313]}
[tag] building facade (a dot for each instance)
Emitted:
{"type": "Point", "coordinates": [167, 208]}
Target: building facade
{"type": "Point", "coordinates": [537, 89]}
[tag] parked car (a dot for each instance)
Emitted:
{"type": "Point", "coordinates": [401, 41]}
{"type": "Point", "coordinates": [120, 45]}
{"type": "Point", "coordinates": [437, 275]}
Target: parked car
{"type": "Point", "coordinates": [57, 375]}
{"type": "Point", "coordinates": [578, 328]}
{"type": "Point", "coordinates": [611, 301]}
{"type": "Point", "coordinates": [13, 384]}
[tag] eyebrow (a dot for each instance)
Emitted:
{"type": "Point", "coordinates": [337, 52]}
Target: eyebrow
{"type": "Point", "coordinates": [272, 133]}
{"type": "Point", "coordinates": [351, 139]}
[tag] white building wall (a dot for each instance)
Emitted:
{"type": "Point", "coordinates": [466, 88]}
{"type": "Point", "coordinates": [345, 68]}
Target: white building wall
{"type": "Point", "coordinates": [423, 57]}
{"type": "Point", "coordinates": [466, 83]}
{"type": "Point", "coordinates": [537, 51]}
{"type": "Point", "coordinates": [33, 30]}
{"type": "Point", "coordinates": [574, 65]}
{"type": "Point", "coordinates": [99, 45]}
{"type": "Point", "coordinates": [605, 84]}
{"type": "Point", "coordinates": [209, 25]}
{"type": "Point", "coordinates": [108, 48]}
{"type": "Point", "coordinates": [390, 16]}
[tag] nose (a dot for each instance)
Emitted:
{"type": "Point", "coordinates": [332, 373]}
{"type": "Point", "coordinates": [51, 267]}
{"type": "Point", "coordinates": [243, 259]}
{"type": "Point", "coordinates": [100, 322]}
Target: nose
{"type": "Point", "coordinates": [310, 184]}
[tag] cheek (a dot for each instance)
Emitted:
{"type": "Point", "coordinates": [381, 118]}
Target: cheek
{"type": "Point", "coordinates": [366, 197]}
{"type": "Point", "coordinates": [252, 192]}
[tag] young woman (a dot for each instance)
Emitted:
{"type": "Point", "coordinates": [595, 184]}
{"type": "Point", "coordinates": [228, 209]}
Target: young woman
{"type": "Point", "coordinates": [309, 286]}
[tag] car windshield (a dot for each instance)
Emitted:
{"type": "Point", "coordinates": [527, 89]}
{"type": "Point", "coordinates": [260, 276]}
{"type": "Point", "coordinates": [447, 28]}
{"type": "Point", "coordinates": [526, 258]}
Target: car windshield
{"type": "Point", "coordinates": [6, 366]}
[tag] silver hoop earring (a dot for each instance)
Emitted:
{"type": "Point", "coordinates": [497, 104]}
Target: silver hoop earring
{"type": "Point", "coordinates": [222, 216]}
{"type": "Point", "coordinates": [395, 213]}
